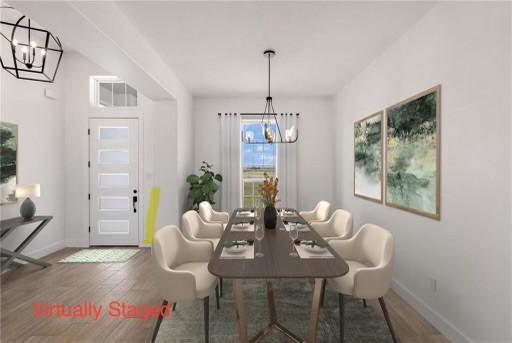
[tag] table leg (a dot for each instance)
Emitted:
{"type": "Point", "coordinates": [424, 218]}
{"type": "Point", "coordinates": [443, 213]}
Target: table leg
{"type": "Point", "coordinates": [271, 302]}
{"type": "Point", "coordinates": [315, 311]}
{"type": "Point", "coordinates": [240, 310]}
{"type": "Point", "coordinates": [273, 324]}
{"type": "Point", "coordinates": [15, 254]}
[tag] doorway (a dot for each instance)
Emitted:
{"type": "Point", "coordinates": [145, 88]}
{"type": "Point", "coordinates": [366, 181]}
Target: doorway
{"type": "Point", "coordinates": [114, 181]}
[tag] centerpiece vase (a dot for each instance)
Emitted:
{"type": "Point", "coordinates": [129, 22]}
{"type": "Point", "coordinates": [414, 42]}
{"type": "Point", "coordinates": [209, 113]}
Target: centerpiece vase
{"type": "Point", "coordinates": [270, 217]}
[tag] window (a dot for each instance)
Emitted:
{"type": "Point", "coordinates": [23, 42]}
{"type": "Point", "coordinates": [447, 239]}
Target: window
{"type": "Point", "coordinates": [109, 91]}
{"type": "Point", "coordinates": [257, 159]}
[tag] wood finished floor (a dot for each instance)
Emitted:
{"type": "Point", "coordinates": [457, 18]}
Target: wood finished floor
{"type": "Point", "coordinates": [130, 282]}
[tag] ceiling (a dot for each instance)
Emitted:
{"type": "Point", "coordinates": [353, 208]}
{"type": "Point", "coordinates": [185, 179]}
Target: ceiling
{"type": "Point", "coordinates": [216, 48]}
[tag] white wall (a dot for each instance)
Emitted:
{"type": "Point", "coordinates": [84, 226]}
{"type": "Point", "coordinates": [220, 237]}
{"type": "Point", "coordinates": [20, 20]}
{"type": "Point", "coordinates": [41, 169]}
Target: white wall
{"type": "Point", "coordinates": [40, 123]}
{"type": "Point", "coordinates": [185, 144]}
{"type": "Point", "coordinates": [315, 151]}
{"type": "Point", "coordinates": [466, 48]}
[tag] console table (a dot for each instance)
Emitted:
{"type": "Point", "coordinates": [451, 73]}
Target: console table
{"type": "Point", "coordinates": [9, 225]}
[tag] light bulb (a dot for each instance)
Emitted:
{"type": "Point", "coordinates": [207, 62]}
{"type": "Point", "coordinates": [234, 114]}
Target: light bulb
{"type": "Point", "coordinates": [43, 52]}
{"type": "Point", "coordinates": [24, 49]}
{"type": "Point", "coordinates": [14, 42]}
{"type": "Point", "coordinates": [33, 44]}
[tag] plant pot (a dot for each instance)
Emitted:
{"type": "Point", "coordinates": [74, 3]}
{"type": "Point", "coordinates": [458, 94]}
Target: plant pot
{"type": "Point", "coordinates": [270, 217]}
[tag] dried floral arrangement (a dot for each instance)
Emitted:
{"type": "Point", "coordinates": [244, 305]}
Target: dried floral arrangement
{"type": "Point", "coordinates": [269, 190]}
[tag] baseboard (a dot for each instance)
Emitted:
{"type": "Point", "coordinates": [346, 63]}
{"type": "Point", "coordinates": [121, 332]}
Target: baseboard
{"type": "Point", "coordinates": [434, 318]}
{"type": "Point", "coordinates": [45, 251]}
{"type": "Point", "coordinates": [77, 243]}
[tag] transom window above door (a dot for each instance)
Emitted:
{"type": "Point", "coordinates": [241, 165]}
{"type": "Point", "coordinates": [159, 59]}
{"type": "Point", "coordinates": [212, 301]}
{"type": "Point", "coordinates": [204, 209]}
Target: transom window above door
{"type": "Point", "coordinates": [109, 91]}
{"type": "Point", "coordinates": [256, 160]}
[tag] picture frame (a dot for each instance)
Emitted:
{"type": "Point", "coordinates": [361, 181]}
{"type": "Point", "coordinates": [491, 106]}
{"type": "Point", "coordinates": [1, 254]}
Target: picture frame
{"type": "Point", "coordinates": [9, 162]}
{"type": "Point", "coordinates": [413, 154]}
{"type": "Point", "coordinates": [369, 157]}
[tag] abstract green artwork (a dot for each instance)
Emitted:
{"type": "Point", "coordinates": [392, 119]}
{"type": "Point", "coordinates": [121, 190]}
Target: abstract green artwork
{"type": "Point", "coordinates": [368, 157]}
{"type": "Point", "coordinates": [413, 154]}
{"type": "Point", "coordinates": [8, 162]}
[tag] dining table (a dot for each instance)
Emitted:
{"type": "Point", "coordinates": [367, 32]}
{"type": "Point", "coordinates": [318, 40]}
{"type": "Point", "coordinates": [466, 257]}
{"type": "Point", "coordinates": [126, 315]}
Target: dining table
{"type": "Point", "coordinates": [276, 263]}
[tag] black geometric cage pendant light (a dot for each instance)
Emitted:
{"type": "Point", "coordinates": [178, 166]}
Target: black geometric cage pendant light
{"type": "Point", "coordinates": [271, 134]}
{"type": "Point", "coordinates": [33, 53]}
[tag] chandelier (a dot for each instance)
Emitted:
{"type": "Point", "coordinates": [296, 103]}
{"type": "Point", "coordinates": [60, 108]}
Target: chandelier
{"type": "Point", "coordinates": [269, 123]}
{"type": "Point", "coordinates": [34, 53]}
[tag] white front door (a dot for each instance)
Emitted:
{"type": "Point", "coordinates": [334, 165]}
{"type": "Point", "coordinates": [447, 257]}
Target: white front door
{"type": "Point", "coordinates": [113, 181]}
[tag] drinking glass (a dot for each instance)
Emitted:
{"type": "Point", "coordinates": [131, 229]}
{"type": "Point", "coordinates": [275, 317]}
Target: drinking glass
{"type": "Point", "coordinates": [259, 233]}
{"type": "Point", "coordinates": [294, 234]}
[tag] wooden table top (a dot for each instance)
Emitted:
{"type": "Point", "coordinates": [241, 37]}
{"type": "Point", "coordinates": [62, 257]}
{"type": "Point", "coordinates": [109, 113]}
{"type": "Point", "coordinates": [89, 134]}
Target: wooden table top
{"type": "Point", "coordinates": [7, 224]}
{"type": "Point", "coordinates": [276, 264]}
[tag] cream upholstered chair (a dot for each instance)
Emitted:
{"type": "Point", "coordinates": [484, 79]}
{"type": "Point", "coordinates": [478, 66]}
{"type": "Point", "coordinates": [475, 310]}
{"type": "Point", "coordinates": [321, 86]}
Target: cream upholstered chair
{"type": "Point", "coordinates": [209, 215]}
{"type": "Point", "coordinates": [319, 214]}
{"type": "Point", "coordinates": [339, 226]}
{"type": "Point", "coordinates": [369, 255]}
{"type": "Point", "coordinates": [196, 229]}
{"type": "Point", "coordinates": [181, 271]}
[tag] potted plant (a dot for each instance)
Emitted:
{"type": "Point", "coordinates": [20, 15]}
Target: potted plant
{"type": "Point", "coordinates": [203, 187]}
{"type": "Point", "coordinates": [268, 193]}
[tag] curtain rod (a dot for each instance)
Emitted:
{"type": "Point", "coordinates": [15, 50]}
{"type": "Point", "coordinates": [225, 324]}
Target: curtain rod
{"type": "Point", "coordinates": [259, 114]}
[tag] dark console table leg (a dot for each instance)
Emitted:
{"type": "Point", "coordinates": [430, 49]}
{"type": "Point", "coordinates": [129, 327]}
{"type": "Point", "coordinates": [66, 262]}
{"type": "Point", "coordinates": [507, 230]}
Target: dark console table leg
{"type": "Point", "coordinates": [16, 253]}
{"type": "Point", "coordinates": [12, 255]}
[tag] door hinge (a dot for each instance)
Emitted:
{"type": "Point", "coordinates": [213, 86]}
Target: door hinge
{"type": "Point", "coordinates": [88, 131]}
{"type": "Point", "coordinates": [89, 164]}
{"type": "Point", "coordinates": [89, 196]}
{"type": "Point", "coordinates": [89, 229]}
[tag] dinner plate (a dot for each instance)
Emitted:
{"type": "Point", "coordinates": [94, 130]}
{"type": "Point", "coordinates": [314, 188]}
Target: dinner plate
{"type": "Point", "coordinates": [236, 249]}
{"type": "Point", "coordinates": [314, 249]}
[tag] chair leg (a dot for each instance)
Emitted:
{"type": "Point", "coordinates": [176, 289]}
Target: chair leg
{"type": "Point", "coordinates": [322, 296]}
{"type": "Point", "coordinates": [158, 322]}
{"type": "Point", "coordinates": [174, 307]}
{"type": "Point", "coordinates": [206, 305]}
{"type": "Point", "coordinates": [217, 296]}
{"type": "Point", "coordinates": [388, 320]}
{"type": "Point", "coordinates": [364, 303]}
{"type": "Point", "coordinates": [221, 287]}
{"type": "Point", "coordinates": [342, 316]}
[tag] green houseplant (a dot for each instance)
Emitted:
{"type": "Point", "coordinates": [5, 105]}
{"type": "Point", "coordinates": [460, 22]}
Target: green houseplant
{"type": "Point", "coordinates": [203, 187]}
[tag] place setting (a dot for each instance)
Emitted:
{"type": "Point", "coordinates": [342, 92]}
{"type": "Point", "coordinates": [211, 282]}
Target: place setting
{"type": "Point", "coordinates": [243, 226]}
{"type": "Point", "coordinates": [238, 249]}
{"type": "Point", "coordinates": [301, 227]}
{"type": "Point", "coordinates": [312, 248]}
{"type": "Point", "coordinates": [286, 213]}
{"type": "Point", "coordinates": [245, 213]}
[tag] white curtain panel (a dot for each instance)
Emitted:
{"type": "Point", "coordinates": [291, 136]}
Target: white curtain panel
{"type": "Point", "coordinates": [230, 142]}
{"type": "Point", "coordinates": [287, 164]}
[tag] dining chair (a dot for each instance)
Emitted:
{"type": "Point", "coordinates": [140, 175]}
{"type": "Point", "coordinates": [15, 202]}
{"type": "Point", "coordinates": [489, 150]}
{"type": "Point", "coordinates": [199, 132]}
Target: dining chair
{"type": "Point", "coordinates": [369, 255]}
{"type": "Point", "coordinates": [181, 272]}
{"type": "Point", "coordinates": [338, 226]}
{"type": "Point", "coordinates": [319, 214]}
{"type": "Point", "coordinates": [196, 229]}
{"type": "Point", "coordinates": [209, 215]}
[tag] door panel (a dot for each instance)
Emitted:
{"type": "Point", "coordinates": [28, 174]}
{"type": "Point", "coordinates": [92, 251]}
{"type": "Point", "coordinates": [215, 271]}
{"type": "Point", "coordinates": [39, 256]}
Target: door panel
{"type": "Point", "coordinates": [113, 181]}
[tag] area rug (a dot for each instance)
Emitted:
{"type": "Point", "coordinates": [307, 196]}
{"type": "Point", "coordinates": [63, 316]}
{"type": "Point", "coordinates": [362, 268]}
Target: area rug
{"type": "Point", "coordinates": [293, 303]}
{"type": "Point", "coordinates": [100, 256]}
